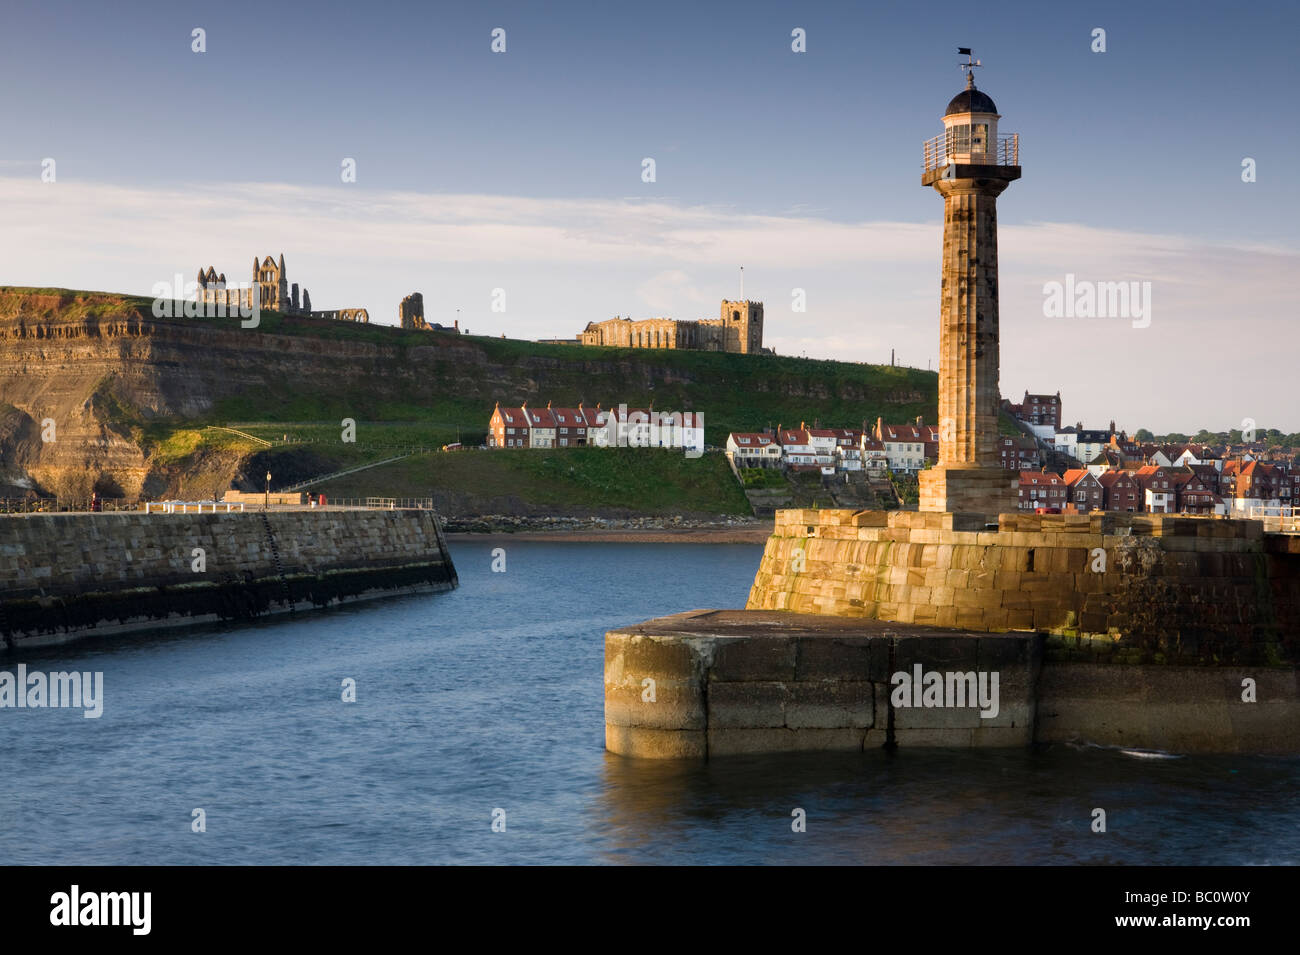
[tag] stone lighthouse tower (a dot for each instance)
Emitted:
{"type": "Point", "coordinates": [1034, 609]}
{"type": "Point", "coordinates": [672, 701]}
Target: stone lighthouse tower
{"type": "Point", "coordinates": [969, 164]}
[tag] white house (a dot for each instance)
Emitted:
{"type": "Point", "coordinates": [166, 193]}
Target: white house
{"type": "Point", "coordinates": [748, 449]}
{"type": "Point", "coordinates": [874, 457]}
{"type": "Point", "coordinates": [824, 443]}
{"type": "Point", "coordinates": [797, 447]}
{"type": "Point", "coordinates": [541, 426]}
{"type": "Point", "coordinates": [1066, 440]}
{"type": "Point", "coordinates": [904, 446]}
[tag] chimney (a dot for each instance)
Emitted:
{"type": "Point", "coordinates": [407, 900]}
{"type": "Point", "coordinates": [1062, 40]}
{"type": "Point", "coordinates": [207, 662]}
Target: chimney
{"type": "Point", "coordinates": [456, 325]}
{"type": "Point", "coordinates": [880, 429]}
{"type": "Point", "coordinates": [919, 422]}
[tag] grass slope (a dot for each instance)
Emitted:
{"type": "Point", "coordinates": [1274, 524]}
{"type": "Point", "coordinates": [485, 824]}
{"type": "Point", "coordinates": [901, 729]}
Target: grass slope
{"type": "Point", "coordinates": [576, 481]}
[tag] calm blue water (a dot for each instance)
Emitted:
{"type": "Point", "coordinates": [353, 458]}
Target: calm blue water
{"type": "Point", "coordinates": [491, 697]}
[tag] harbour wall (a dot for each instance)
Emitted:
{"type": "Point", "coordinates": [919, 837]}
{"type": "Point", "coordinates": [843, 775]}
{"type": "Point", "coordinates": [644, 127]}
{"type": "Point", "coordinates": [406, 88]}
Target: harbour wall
{"type": "Point", "coordinates": [65, 576]}
{"type": "Point", "coordinates": [1133, 588]}
{"type": "Point", "coordinates": [713, 683]}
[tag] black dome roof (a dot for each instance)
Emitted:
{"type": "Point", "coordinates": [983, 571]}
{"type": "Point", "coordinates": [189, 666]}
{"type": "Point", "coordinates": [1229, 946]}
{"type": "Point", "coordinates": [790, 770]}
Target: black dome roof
{"type": "Point", "coordinates": [970, 100]}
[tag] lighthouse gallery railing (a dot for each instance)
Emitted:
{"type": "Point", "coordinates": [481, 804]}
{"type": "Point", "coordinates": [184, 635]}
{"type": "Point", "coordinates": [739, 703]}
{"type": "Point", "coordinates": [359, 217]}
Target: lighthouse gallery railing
{"type": "Point", "coordinates": [937, 152]}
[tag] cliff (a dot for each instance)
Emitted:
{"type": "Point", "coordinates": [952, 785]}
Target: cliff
{"type": "Point", "coordinates": [116, 383]}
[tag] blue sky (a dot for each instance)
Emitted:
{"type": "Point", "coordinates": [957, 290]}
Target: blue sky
{"type": "Point", "coordinates": [522, 171]}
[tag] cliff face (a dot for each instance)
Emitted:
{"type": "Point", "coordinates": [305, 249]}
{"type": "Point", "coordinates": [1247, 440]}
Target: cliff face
{"type": "Point", "coordinates": [84, 376]}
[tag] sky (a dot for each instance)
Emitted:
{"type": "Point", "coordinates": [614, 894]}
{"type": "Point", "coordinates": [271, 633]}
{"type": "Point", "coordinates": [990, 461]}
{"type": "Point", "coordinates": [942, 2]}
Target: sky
{"type": "Point", "coordinates": [522, 171]}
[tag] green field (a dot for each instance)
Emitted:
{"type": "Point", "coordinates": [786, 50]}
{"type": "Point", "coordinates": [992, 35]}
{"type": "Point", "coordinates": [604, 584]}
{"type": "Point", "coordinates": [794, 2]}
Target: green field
{"type": "Point", "coordinates": [576, 481]}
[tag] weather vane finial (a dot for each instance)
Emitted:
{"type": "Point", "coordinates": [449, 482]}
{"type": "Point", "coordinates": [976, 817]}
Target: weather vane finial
{"type": "Point", "coordinates": [968, 66]}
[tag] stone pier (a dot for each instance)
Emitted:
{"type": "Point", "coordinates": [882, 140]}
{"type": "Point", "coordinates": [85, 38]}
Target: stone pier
{"type": "Point", "coordinates": [715, 683]}
{"type": "Point", "coordinates": [1131, 630]}
{"type": "Point", "coordinates": [68, 576]}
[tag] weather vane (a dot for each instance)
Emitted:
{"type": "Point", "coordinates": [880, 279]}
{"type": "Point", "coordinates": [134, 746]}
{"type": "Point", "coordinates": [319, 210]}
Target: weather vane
{"type": "Point", "coordinates": [970, 64]}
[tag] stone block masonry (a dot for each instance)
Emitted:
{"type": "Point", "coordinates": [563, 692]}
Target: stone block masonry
{"type": "Point", "coordinates": [714, 683]}
{"type": "Point", "coordinates": [64, 576]}
{"type": "Point", "coordinates": [1108, 587]}
{"type": "Point", "coordinates": [726, 682]}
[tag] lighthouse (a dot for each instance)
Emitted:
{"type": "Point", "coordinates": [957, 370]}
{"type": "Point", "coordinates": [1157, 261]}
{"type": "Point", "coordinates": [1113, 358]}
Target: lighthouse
{"type": "Point", "coordinates": [970, 164]}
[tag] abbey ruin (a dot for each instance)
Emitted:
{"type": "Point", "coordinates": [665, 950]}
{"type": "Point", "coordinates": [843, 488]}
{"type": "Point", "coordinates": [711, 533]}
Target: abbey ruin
{"type": "Point", "coordinates": [273, 293]}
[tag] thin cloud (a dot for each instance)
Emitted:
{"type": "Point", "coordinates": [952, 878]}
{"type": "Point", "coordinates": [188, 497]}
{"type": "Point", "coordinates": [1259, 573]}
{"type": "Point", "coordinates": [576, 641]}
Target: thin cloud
{"type": "Point", "coordinates": [870, 286]}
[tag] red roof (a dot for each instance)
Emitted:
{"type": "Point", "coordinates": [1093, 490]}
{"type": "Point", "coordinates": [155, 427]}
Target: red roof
{"type": "Point", "coordinates": [569, 417]}
{"type": "Point", "coordinates": [1039, 478]}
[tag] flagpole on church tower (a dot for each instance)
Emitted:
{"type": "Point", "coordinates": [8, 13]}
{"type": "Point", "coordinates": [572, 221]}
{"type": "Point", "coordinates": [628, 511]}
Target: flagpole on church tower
{"type": "Point", "coordinates": [742, 283]}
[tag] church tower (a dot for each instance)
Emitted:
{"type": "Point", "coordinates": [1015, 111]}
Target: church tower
{"type": "Point", "coordinates": [970, 165]}
{"type": "Point", "coordinates": [742, 326]}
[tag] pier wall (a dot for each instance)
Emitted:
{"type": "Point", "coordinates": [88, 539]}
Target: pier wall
{"type": "Point", "coordinates": [1129, 587]}
{"type": "Point", "coordinates": [713, 683]}
{"type": "Point", "coordinates": [63, 576]}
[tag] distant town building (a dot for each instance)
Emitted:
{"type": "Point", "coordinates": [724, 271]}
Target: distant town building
{"type": "Point", "coordinates": [749, 449]}
{"type": "Point", "coordinates": [1018, 453]}
{"type": "Point", "coordinates": [1081, 444]}
{"type": "Point", "coordinates": [1045, 489]}
{"type": "Point", "coordinates": [1041, 409]}
{"type": "Point", "coordinates": [739, 328]}
{"type": "Point", "coordinates": [1085, 492]}
{"type": "Point", "coordinates": [907, 446]}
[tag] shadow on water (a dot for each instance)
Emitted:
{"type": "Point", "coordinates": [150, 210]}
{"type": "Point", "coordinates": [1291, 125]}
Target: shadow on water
{"type": "Point", "coordinates": [936, 806]}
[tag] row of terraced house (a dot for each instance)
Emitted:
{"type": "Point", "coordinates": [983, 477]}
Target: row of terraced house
{"type": "Point", "coordinates": [902, 448]}
{"type": "Point", "coordinates": [1198, 483]}
{"type": "Point", "coordinates": [899, 448]}
{"type": "Point", "coordinates": [618, 426]}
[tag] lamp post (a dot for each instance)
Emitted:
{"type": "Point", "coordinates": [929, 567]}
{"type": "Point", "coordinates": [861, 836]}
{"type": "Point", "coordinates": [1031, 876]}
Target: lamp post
{"type": "Point", "coordinates": [266, 506]}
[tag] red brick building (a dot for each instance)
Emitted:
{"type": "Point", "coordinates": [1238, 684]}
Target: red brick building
{"type": "Point", "coordinates": [1199, 495]}
{"type": "Point", "coordinates": [1123, 493]}
{"type": "Point", "coordinates": [1018, 453]}
{"type": "Point", "coordinates": [1043, 489]}
{"type": "Point", "coordinates": [508, 428]}
{"type": "Point", "coordinates": [1041, 409]}
{"type": "Point", "coordinates": [1086, 492]}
